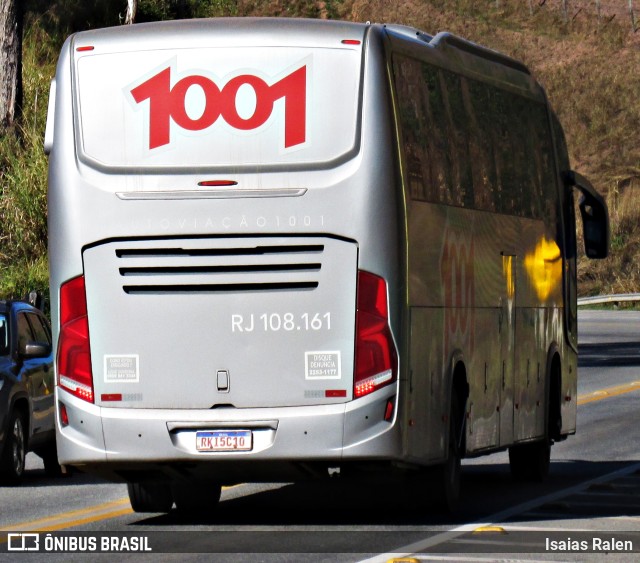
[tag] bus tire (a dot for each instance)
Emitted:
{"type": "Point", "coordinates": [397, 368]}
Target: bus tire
{"type": "Point", "coordinates": [150, 497]}
{"type": "Point", "coordinates": [530, 462]}
{"type": "Point", "coordinates": [447, 477]}
{"type": "Point", "coordinates": [196, 499]}
{"type": "Point", "coordinates": [12, 463]}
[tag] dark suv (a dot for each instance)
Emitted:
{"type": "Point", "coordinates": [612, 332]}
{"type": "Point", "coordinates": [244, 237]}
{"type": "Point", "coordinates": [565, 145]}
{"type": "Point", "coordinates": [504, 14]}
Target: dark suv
{"type": "Point", "coordinates": [27, 419]}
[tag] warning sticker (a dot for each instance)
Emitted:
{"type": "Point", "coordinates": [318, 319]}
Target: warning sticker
{"type": "Point", "coordinates": [122, 369]}
{"type": "Point", "coordinates": [322, 365]}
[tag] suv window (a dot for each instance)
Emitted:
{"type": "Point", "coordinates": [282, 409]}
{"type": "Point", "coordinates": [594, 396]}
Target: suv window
{"type": "Point", "coordinates": [39, 329]}
{"type": "Point", "coordinates": [24, 331]}
{"type": "Point", "coordinates": [4, 336]}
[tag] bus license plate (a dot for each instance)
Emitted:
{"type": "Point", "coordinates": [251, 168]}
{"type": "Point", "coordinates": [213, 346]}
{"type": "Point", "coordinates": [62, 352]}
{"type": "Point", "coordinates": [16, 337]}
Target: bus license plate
{"type": "Point", "coordinates": [224, 441]}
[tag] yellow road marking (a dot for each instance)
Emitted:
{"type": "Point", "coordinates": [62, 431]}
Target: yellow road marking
{"type": "Point", "coordinates": [489, 530]}
{"type": "Point", "coordinates": [101, 511]}
{"type": "Point", "coordinates": [71, 519]}
{"type": "Point", "coordinates": [88, 520]}
{"type": "Point", "coordinates": [609, 392]}
{"type": "Point", "coordinates": [62, 525]}
{"type": "Point", "coordinates": [68, 519]}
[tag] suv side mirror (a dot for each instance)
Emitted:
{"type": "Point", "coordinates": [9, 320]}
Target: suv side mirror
{"type": "Point", "coordinates": [595, 216]}
{"type": "Point", "coordinates": [35, 350]}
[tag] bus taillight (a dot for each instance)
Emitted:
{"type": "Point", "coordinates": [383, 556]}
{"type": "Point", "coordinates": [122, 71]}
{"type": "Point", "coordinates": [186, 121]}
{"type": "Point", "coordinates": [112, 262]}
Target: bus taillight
{"type": "Point", "coordinates": [376, 356]}
{"type": "Point", "coordinates": [74, 356]}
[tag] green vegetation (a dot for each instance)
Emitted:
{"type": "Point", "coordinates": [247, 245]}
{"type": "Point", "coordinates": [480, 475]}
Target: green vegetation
{"type": "Point", "coordinates": [588, 65]}
{"type": "Point", "coordinates": [23, 176]}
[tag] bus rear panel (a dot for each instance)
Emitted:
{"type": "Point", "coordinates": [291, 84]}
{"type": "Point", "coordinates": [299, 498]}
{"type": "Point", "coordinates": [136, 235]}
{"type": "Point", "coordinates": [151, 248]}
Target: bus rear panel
{"type": "Point", "coordinates": [229, 247]}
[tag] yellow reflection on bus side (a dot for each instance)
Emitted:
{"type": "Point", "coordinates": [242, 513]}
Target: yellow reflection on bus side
{"type": "Point", "coordinates": [544, 267]}
{"type": "Point", "coordinates": [507, 270]}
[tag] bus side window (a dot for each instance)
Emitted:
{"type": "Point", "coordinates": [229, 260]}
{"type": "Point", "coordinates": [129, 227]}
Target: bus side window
{"type": "Point", "coordinates": [547, 183]}
{"type": "Point", "coordinates": [469, 144]}
{"type": "Point", "coordinates": [458, 135]}
{"type": "Point", "coordinates": [524, 197]}
{"type": "Point", "coordinates": [437, 120]}
{"type": "Point", "coordinates": [412, 125]}
{"type": "Point", "coordinates": [481, 147]}
{"type": "Point", "coordinates": [532, 167]}
{"type": "Point", "coordinates": [499, 136]}
{"type": "Point", "coordinates": [422, 131]}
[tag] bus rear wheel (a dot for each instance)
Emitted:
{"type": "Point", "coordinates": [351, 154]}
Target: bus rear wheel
{"type": "Point", "coordinates": [196, 499]}
{"type": "Point", "coordinates": [530, 462]}
{"type": "Point", "coordinates": [447, 477]}
{"type": "Point", "coordinates": [150, 497]}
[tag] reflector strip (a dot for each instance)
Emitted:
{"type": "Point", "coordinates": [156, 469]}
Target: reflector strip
{"type": "Point", "coordinates": [351, 42]}
{"type": "Point", "coordinates": [111, 397]}
{"type": "Point", "coordinates": [217, 183]}
{"type": "Point", "coordinates": [388, 412]}
{"type": "Point", "coordinates": [64, 416]}
{"type": "Point", "coordinates": [85, 48]}
{"type": "Point", "coordinates": [335, 393]}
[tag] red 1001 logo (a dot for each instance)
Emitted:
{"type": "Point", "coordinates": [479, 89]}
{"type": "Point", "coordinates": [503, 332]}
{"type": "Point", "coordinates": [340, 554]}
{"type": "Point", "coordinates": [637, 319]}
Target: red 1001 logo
{"type": "Point", "coordinates": [166, 103]}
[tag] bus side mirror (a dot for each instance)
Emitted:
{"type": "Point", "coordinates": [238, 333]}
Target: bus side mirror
{"type": "Point", "coordinates": [595, 216]}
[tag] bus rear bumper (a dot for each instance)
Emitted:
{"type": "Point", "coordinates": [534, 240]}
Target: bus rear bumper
{"type": "Point", "coordinates": [117, 441]}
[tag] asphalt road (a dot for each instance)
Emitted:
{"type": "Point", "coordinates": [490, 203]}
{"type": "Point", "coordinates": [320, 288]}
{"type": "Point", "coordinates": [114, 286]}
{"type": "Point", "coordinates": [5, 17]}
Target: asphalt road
{"type": "Point", "coordinates": [593, 495]}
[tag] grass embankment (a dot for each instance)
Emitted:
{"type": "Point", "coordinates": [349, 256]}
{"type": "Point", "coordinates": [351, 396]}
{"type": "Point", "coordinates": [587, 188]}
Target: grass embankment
{"type": "Point", "coordinates": [589, 65]}
{"type": "Point", "coordinates": [23, 177]}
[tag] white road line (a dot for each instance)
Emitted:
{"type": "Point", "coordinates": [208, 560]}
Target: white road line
{"type": "Point", "coordinates": [443, 537]}
{"type": "Point", "coordinates": [472, 559]}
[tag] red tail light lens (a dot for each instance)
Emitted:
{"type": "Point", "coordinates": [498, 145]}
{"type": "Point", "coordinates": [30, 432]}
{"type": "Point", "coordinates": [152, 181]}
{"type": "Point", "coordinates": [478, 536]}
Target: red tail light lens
{"type": "Point", "coordinates": [74, 355]}
{"type": "Point", "coordinates": [376, 356]}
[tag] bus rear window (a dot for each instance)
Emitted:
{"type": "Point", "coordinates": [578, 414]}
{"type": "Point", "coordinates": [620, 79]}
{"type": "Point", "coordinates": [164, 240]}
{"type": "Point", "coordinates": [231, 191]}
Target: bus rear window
{"type": "Point", "coordinates": [218, 107]}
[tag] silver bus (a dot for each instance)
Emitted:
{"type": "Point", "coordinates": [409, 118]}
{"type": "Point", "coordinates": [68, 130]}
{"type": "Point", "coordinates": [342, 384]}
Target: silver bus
{"type": "Point", "coordinates": [283, 249]}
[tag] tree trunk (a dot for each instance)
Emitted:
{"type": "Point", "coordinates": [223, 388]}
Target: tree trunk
{"type": "Point", "coordinates": [132, 6]}
{"type": "Point", "coordinates": [10, 62]}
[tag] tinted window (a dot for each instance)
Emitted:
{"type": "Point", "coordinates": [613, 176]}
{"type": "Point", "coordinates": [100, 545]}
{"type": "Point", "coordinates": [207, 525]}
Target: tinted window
{"type": "Point", "coordinates": [470, 144]}
{"type": "Point", "coordinates": [4, 336]}
{"type": "Point", "coordinates": [420, 134]}
{"type": "Point", "coordinates": [24, 331]}
{"type": "Point", "coordinates": [457, 132]}
{"type": "Point", "coordinates": [39, 330]}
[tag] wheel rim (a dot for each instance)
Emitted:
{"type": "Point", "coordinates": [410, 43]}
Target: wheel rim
{"type": "Point", "coordinates": [18, 447]}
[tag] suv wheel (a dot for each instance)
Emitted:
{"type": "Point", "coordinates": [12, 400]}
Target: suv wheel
{"type": "Point", "coordinates": [15, 449]}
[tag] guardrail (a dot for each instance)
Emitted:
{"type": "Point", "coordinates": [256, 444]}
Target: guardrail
{"type": "Point", "coordinates": [600, 299]}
